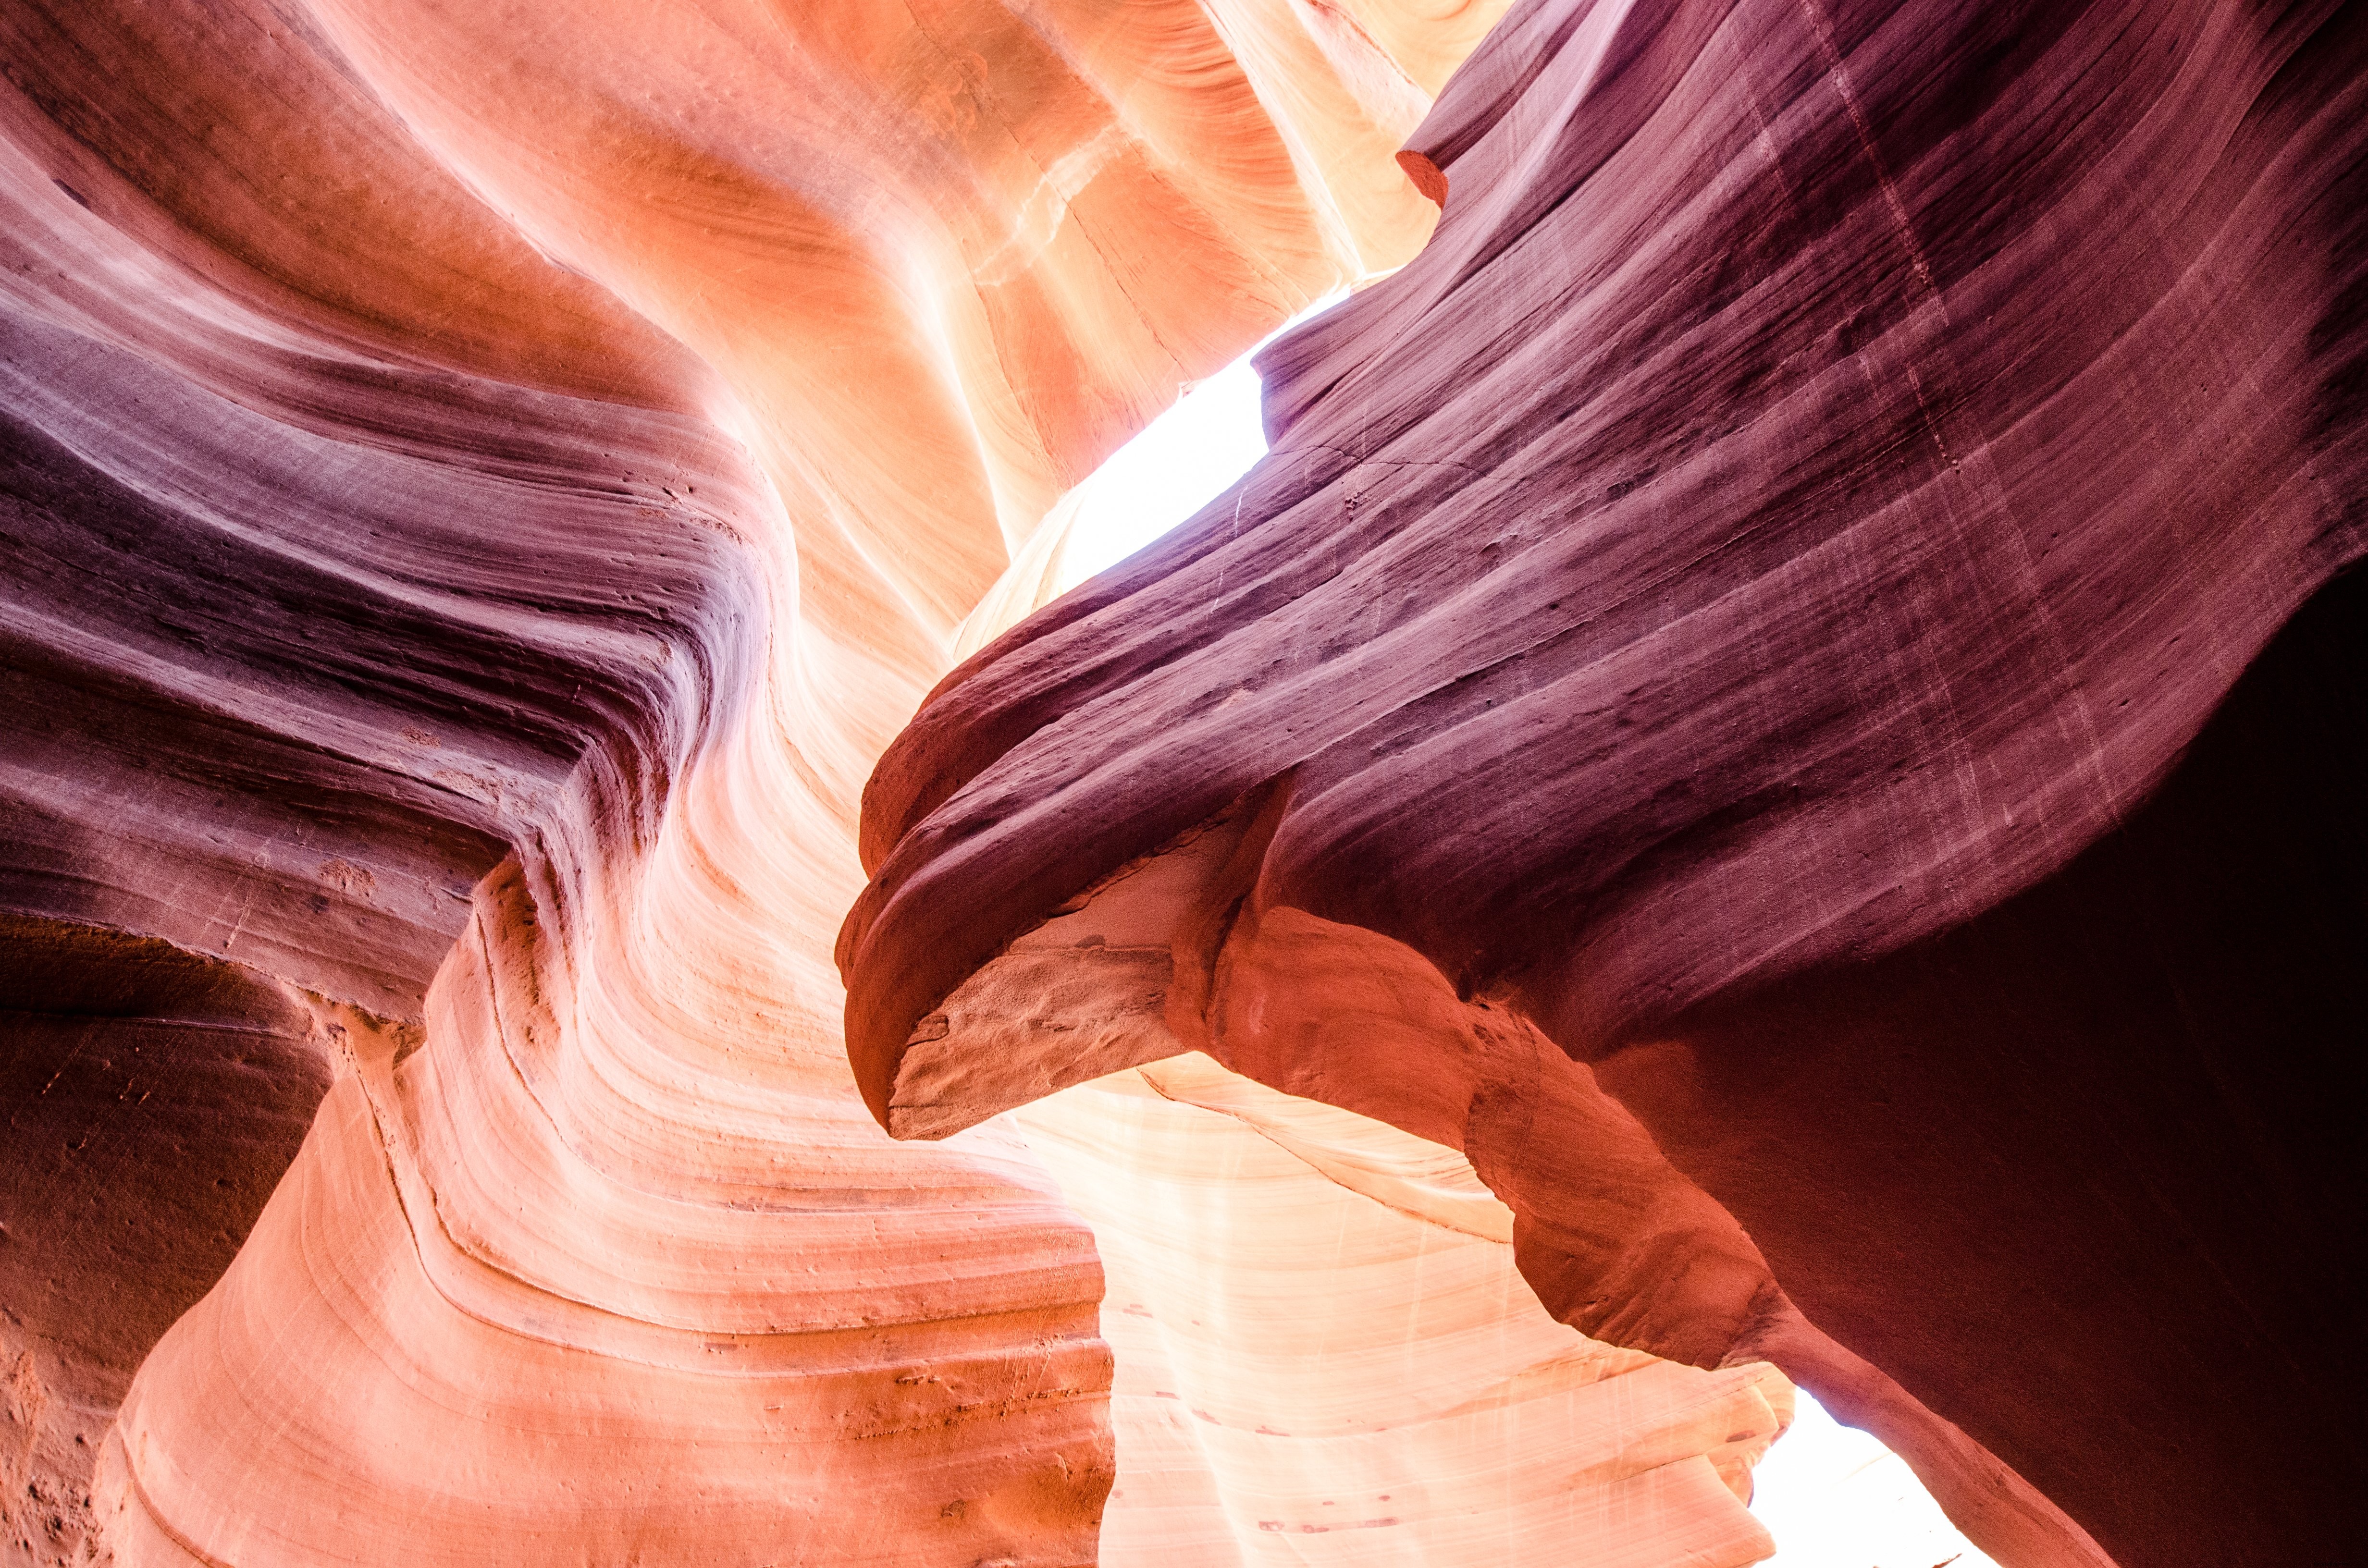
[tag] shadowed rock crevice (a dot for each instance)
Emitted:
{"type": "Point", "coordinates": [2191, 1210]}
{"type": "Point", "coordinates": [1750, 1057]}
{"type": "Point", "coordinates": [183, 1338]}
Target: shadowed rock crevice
{"type": "Point", "coordinates": [2111, 1123]}
{"type": "Point", "coordinates": [150, 1100]}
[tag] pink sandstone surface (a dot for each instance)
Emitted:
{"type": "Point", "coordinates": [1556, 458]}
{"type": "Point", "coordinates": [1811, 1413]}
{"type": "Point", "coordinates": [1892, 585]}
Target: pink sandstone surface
{"type": "Point", "coordinates": [1324, 1354]}
{"type": "Point", "coordinates": [1790, 689]}
{"type": "Point", "coordinates": [483, 486]}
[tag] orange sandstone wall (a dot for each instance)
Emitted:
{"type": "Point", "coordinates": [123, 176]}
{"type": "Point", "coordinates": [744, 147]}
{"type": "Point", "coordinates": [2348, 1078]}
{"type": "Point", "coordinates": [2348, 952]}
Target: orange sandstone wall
{"type": "Point", "coordinates": [482, 487]}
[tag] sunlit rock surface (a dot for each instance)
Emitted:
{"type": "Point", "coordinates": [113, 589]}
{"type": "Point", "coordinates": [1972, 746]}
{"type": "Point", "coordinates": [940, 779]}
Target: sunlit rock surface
{"type": "Point", "coordinates": [1787, 688]}
{"type": "Point", "coordinates": [482, 486]}
{"type": "Point", "coordinates": [1326, 1355]}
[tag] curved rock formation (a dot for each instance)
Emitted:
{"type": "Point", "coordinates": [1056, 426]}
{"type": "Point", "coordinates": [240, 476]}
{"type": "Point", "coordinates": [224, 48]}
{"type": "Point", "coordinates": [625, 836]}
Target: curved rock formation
{"type": "Point", "coordinates": [1324, 1354]}
{"type": "Point", "coordinates": [1744, 608]}
{"type": "Point", "coordinates": [481, 488]}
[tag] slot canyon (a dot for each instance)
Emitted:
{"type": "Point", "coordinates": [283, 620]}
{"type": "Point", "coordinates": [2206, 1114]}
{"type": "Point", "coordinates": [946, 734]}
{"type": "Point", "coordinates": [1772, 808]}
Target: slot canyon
{"type": "Point", "coordinates": [613, 953]}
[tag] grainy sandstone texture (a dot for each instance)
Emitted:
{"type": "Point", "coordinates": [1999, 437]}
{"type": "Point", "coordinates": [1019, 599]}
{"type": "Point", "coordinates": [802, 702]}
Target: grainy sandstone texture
{"type": "Point", "coordinates": [1788, 688]}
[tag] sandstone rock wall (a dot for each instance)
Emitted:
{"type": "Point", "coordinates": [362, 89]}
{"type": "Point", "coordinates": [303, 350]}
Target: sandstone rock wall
{"type": "Point", "coordinates": [1324, 1353]}
{"type": "Point", "coordinates": [483, 486]}
{"type": "Point", "coordinates": [1747, 606]}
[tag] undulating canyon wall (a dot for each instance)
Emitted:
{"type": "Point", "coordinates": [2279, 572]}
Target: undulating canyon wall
{"type": "Point", "coordinates": [484, 485]}
{"type": "Point", "coordinates": [1789, 688]}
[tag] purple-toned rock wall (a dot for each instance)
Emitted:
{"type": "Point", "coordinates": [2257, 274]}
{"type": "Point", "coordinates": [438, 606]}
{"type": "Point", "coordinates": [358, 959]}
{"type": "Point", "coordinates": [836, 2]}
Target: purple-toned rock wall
{"type": "Point", "coordinates": [1819, 593]}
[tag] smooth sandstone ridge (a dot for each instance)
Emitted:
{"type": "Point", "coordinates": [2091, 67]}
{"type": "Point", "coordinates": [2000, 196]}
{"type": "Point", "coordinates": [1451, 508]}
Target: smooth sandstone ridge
{"type": "Point", "coordinates": [483, 486]}
{"type": "Point", "coordinates": [1789, 688]}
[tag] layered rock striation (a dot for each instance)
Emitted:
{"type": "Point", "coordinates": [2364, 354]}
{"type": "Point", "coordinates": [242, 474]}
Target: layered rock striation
{"type": "Point", "coordinates": [481, 487]}
{"type": "Point", "coordinates": [1788, 688]}
{"type": "Point", "coordinates": [1324, 1354]}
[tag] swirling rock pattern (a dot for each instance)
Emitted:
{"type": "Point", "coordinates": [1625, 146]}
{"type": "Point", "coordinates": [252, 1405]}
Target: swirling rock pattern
{"type": "Point", "coordinates": [1744, 608]}
{"type": "Point", "coordinates": [483, 486]}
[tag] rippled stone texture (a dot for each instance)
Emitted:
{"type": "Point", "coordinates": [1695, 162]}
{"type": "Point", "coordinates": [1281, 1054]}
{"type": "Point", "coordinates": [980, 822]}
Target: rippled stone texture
{"type": "Point", "coordinates": [1747, 606]}
{"type": "Point", "coordinates": [481, 487]}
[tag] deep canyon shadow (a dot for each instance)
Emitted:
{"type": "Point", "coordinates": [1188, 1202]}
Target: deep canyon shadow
{"type": "Point", "coordinates": [2086, 1173]}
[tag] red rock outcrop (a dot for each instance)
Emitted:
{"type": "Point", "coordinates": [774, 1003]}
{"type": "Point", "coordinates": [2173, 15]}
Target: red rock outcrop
{"type": "Point", "coordinates": [1785, 688]}
{"type": "Point", "coordinates": [482, 487]}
